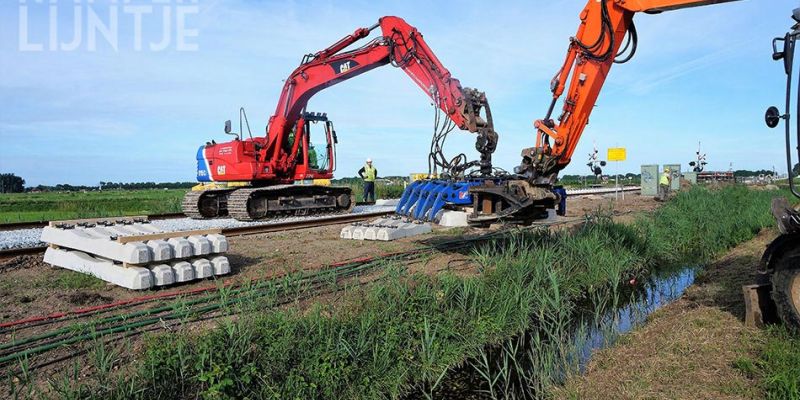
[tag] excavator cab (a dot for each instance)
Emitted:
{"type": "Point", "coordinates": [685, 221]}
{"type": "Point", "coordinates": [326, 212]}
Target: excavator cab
{"type": "Point", "coordinates": [316, 156]}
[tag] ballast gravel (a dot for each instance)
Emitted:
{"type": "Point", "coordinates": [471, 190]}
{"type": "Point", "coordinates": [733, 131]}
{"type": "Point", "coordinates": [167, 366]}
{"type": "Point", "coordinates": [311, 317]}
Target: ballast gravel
{"type": "Point", "coordinates": [22, 238]}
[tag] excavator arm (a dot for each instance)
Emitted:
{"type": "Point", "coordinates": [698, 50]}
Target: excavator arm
{"type": "Point", "coordinates": [606, 35]}
{"type": "Point", "coordinates": [400, 45]}
{"type": "Point", "coordinates": [605, 26]}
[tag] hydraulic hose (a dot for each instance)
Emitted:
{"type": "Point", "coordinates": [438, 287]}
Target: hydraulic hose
{"type": "Point", "coordinates": [789, 42]}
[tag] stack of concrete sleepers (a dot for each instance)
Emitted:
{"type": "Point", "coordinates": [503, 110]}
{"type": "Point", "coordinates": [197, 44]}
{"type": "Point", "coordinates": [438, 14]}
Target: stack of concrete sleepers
{"type": "Point", "coordinates": [384, 229]}
{"type": "Point", "coordinates": [132, 253]}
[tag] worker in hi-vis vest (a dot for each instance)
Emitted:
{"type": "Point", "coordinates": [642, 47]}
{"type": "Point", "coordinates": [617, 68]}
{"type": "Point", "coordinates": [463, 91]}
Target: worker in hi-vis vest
{"type": "Point", "coordinates": [663, 184]}
{"type": "Point", "coordinates": [368, 173]}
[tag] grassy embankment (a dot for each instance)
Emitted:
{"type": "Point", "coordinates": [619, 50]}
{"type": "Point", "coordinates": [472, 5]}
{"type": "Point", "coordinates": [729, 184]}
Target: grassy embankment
{"type": "Point", "coordinates": [382, 190]}
{"type": "Point", "coordinates": [406, 332]}
{"type": "Point", "coordinates": [46, 206]}
{"type": "Point", "coordinates": [779, 365]}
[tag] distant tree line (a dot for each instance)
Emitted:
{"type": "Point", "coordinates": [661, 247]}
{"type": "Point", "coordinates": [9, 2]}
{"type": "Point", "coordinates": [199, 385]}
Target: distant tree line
{"type": "Point", "coordinates": [744, 172]}
{"type": "Point", "coordinates": [10, 183]}
{"type": "Point", "coordinates": [146, 185]}
{"type": "Point", "coordinates": [64, 187]}
{"type": "Point", "coordinates": [61, 187]}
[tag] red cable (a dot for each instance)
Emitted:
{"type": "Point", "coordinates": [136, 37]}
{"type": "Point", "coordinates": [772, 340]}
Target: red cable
{"type": "Point", "coordinates": [142, 299]}
{"type": "Point", "coordinates": [85, 310]}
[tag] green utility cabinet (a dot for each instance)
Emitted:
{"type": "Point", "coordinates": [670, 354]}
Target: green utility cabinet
{"type": "Point", "coordinates": [649, 180]}
{"type": "Point", "coordinates": [675, 171]}
{"type": "Point", "coordinates": [691, 177]}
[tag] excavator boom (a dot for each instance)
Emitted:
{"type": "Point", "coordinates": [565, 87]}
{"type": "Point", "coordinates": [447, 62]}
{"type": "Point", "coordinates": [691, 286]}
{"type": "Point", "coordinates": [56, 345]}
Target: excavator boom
{"type": "Point", "coordinates": [606, 35]}
{"type": "Point", "coordinates": [400, 45]}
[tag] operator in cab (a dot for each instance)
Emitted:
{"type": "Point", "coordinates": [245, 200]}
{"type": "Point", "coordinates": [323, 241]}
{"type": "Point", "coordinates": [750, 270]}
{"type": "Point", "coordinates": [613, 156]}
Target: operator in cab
{"type": "Point", "coordinates": [663, 184]}
{"type": "Point", "coordinates": [368, 173]}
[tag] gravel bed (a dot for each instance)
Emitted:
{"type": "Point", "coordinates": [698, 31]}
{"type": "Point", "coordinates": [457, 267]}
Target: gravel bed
{"type": "Point", "coordinates": [20, 238]}
{"type": "Point", "coordinates": [182, 224]}
{"type": "Point", "coordinates": [30, 237]}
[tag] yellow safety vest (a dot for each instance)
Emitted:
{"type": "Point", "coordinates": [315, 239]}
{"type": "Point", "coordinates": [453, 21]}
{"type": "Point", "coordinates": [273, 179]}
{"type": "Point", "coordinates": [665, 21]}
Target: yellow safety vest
{"type": "Point", "coordinates": [664, 179]}
{"type": "Point", "coordinates": [369, 173]}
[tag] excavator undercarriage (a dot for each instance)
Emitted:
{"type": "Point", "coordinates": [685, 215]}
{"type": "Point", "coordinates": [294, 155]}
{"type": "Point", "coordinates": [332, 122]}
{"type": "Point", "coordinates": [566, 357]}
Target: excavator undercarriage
{"type": "Point", "coordinates": [256, 203]}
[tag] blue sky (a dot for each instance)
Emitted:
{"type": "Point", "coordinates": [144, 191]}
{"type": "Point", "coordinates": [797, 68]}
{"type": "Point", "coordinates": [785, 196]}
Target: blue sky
{"type": "Point", "coordinates": [84, 116]}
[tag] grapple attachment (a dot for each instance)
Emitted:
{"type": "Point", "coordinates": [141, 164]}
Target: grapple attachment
{"type": "Point", "coordinates": [424, 199]}
{"type": "Point", "coordinates": [514, 201]}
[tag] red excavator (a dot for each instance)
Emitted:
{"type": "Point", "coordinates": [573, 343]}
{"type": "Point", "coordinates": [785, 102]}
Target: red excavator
{"type": "Point", "coordinates": [274, 175]}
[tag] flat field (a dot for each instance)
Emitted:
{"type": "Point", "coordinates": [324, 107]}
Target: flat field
{"type": "Point", "coordinates": [46, 206]}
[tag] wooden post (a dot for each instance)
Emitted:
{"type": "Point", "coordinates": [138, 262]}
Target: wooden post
{"type": "Point", "coordinates": [759, 307]}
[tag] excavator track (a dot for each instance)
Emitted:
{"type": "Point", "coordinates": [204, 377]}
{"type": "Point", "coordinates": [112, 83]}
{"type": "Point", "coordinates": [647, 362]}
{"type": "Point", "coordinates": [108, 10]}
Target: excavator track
{"type": "Point", "coordinates": [204, 204]}
{"type": "Point", "coordinates": [252, 204]}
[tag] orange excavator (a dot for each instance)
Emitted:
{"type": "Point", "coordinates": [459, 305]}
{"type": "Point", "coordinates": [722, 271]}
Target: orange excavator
{"type": "Point", "coordinates": [606, 36]}
{"type": "Point", "coordinates": [262, 177]}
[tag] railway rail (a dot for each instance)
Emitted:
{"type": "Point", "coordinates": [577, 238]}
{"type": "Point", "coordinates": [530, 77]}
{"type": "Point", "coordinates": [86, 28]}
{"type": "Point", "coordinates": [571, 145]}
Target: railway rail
{"type": "Point", "coordinates": [262, 228]}
{"type": "Point", "coordinates": [41, 224]}
{"type": "Point", "coordinates": [243, 230]}
{"type": "Point", "coordinates": [155, 217]}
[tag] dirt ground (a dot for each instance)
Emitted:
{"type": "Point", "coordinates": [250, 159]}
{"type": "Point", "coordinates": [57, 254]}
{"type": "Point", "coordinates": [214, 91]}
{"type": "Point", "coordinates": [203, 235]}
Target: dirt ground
{"type": "Point", "coordinates": [31, 287]}
{"type": "Point", "coordinates": [688, 349]}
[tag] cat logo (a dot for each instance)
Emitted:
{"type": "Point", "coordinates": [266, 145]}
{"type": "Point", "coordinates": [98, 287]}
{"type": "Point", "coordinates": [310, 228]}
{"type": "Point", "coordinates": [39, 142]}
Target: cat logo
{"type": "Point", "coordinates": [343, 66]}
{"type": "Point", "coordinates": [220, 170]}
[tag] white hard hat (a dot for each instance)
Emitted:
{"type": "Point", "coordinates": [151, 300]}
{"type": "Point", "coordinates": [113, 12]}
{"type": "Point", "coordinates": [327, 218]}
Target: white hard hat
{"type": "Point", "coordinates": [369, 160]}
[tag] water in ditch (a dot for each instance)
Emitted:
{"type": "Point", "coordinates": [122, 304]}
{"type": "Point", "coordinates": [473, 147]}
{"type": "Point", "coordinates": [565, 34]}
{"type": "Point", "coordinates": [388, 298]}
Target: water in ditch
{"type": "Point", "coordinates": [525, 366]}
{"type": "Point", "coordinates": [656, 293]}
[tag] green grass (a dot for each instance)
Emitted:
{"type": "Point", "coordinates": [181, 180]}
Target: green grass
{"type": "Point", "coordinates": [45, 206]}
{"type": "Point", "coordinates": [405, 333]}
{"type": "Point", "coordinates": [779, 365]}
{"type": "Point", "coordinates": [382, 191]}
{"type": "Point", "coordinates": [75, 280]}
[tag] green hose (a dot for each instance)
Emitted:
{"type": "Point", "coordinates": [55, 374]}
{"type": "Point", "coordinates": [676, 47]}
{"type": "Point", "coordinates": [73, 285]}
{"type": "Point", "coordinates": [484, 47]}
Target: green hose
{"type": "Point", "coordinates": [136, 314]}
{"type": "Point", "coordinates": [128, 326]}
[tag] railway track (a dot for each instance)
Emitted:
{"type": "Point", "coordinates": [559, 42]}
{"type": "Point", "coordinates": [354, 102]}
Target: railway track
{"type": "Point", "coordinates": [262, 228]}
{"type": "Point", "coordinates": [41, 224]}
{"type": "Point", "coordinates": [11, 226]}
{"type": "Point", "coordinates": [242, 230]}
